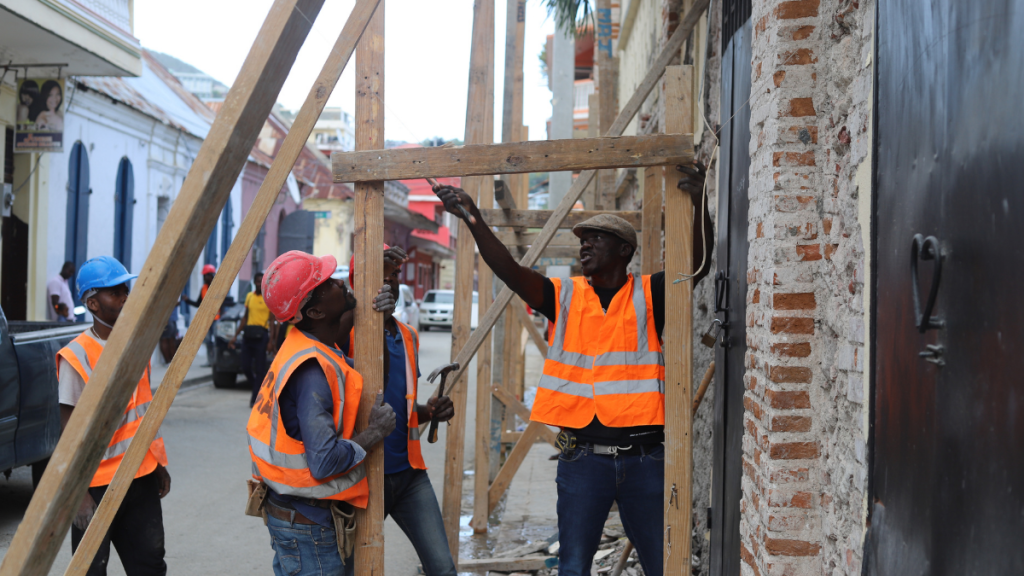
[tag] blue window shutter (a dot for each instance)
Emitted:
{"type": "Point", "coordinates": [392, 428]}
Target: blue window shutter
{"type": "Point", "coordinates": [124, 212]}
{"type": "Point", "coordinates": [226, 227]}
{"type": "Point", "coordinates": [76, 232]}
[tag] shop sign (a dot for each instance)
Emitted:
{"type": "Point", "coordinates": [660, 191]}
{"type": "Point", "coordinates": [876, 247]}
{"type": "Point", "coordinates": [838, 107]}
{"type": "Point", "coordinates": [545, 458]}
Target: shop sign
{"type": "Point", "coordinates": [40, 116]}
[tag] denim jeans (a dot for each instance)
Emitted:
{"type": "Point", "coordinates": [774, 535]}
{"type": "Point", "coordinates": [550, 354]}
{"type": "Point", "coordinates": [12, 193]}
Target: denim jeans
{"type": "Point", "coordinates": [588, 483]}
{"type": "Point", "coordinates": [410, 500]}
{"type": "Point", "coordinates": [306, 550]}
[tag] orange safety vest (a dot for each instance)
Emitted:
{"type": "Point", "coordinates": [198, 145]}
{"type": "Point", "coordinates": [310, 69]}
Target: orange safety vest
{"type": "Point", "coordinates": [280, 460]}
{"type": "Point", "coordinates": [411, 339]}
{"type": "Point", "coordinates": [605, 363]}
{"type": "Point", "coordinates": [82, 354]}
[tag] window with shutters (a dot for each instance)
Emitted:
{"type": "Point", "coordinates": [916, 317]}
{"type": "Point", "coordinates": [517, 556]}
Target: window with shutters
{"type": "Point", "coordinates": [124, 212]}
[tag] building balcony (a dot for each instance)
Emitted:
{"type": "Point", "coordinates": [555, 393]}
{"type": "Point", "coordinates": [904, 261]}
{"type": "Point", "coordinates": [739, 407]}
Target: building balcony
{"type": "Point", "coordinates": [85, 37]}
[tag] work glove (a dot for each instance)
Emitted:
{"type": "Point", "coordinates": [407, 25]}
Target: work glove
{"type": "Point", "coordinates": [382, 423]}
{"type": "Point", "coordinates": [85, 513]}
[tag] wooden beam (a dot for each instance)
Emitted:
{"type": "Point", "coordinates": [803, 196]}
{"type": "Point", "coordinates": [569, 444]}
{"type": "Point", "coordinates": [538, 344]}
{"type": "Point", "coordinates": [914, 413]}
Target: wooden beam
{"type": "Point", "coordinates": [512, 158]}
{"type": "Point", "coordinates": [669, 51]}
{"type": "Point", "coordinates": [626, 178]}
{"type": "Point", "coordinates": [173, 257]}
{"type": "Point", "coordinates": [678, 337]}
{"type": "Point", "coordinates": [369, 239]}
{"type": "Point", "coordinates": [541, 218]}
{"type": "Point", "coordinates": [521, 564]}
{"type": "Point", "coordinates": [292, 146]}
{"type": "Point", "coordinates": [512, 103]}
{"type": "Point", "coordinates": [479, 109]}
{"type": "Point", "coordinates": [562, 238]}
{"type": "Point", "coordinates": [520, 409]}
{"type": "Point", "coordinates": [652, 210]}
{"type": "Point", "coordinates": [512, 463]}
{"type": "Point", "coordinates": [531, 328]}
{"type": "Point", "coordinates": [607, 92]}
{"type": "Point", "coordinates": [556, 251]}
{"type": "Point", "coordinates": [503, 195]}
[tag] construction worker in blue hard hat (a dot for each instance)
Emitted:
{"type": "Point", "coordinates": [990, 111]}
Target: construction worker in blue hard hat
{"type": "Point", "coordinates": [138, 529]}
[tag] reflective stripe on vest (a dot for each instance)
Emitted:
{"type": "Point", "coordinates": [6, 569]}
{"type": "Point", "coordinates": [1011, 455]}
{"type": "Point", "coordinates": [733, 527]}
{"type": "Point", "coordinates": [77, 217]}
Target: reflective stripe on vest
{"type": "Point", "coordinates": [612, 368]}
{"type": "Point", "coordinates": [82, 354]}
{"type": "Point", "coordinates": [279, 460]}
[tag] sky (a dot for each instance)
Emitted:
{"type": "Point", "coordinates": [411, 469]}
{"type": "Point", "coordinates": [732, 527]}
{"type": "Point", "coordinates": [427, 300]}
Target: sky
{"type": "Point", "coordinates": [427, 47]}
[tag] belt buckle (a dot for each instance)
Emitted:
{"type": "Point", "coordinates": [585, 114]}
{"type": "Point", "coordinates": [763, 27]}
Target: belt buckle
{"type": "Point", "coordinates": [612, 450]}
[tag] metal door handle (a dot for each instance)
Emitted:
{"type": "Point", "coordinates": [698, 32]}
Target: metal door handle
{"type": "Point", "coordinates": [926, 249]}
{"type": "Point", "coordinates": [721, 292]}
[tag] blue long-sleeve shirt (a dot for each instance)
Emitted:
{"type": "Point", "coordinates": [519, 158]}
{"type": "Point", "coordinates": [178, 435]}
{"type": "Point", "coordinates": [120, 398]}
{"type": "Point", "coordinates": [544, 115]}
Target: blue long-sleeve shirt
{"type": "Point", "coordinates": [307, 411]}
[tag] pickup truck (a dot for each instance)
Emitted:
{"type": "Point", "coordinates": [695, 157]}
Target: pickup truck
{"type": "Point", "coordinates": [29, 413]}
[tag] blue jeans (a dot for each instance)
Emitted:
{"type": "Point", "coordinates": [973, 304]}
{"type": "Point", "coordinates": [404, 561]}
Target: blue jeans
{"type": "Point", "coordinates": [410, 500]}
{"type": "Point", "coordinates": [306, 550]}
{"type": "Point", "coordinates": [588, 483]}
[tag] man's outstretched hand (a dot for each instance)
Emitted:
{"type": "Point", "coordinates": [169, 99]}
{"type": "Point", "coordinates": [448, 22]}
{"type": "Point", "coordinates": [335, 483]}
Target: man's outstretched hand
{"type": "Point", "coordinates": [385, 301]}
{"type": "Point", "coordinates": [693, 181]}
{"type": "Point", "coordinates": [394, 257]}
{"type": "Point", "coordinates": [453, 198]}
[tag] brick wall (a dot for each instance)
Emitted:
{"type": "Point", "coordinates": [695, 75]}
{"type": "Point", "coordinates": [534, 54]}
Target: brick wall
{"type": "Point", "coordinates": [803, 446]}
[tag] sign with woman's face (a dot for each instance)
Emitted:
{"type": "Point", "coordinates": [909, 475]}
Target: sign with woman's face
{"type": "Point", "coordinates": [40, 118]}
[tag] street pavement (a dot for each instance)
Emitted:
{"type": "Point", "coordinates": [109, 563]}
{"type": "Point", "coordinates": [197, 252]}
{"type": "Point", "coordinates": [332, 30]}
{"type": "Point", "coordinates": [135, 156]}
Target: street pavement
{"type": "Point", "coordinates": [206, 530]}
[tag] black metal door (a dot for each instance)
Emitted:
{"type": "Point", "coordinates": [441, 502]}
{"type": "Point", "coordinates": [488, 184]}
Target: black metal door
{"type": "Point", "coordinates": [947, 472]}
{"type": "Point", "coordinates": [731, 289]}
{"type": "Point", "coordinates": [296, 232]}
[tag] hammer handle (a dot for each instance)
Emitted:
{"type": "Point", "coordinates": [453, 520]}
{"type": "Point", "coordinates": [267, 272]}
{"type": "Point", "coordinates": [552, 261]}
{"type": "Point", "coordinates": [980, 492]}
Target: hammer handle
{"type": "Point", "coordinates": [432, 432]}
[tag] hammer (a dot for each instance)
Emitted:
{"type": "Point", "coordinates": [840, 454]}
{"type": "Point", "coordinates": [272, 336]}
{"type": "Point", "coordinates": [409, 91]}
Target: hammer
{"type": "Point", "coordinates": [443, 371]}
{"type": "Point", "coordinates": [469, 217]}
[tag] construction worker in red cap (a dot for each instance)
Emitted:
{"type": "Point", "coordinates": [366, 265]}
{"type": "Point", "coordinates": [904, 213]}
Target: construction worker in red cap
{"type": "Point", "coordinates": [408, 496]}
{"type": "Point", "coordinates": [209, 271]}
{"type": "Point", "coordinates": [306, 458]}
{"type": "Point", "coordinates": [603, 382]}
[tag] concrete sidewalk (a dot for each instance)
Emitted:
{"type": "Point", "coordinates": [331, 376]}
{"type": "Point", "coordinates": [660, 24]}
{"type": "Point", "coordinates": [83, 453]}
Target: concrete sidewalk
{"type": "Point", "coordinates": [197, 373]}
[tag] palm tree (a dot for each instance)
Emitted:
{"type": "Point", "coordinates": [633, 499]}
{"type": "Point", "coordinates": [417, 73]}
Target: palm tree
{"type": "Point", "coordinates": [575, 15]}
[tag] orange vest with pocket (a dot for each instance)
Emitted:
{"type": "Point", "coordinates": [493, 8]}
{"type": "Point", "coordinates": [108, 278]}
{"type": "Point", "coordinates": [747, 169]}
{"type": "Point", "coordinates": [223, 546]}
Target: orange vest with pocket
{"type": "Point", "coordinates": [609, 364]}
{"type": "Point", "coordinates": [280, 460]}
{"type": "Point", "coordinates": [82, 354]}
{"type": "Point", "coordinates": [411, 339]}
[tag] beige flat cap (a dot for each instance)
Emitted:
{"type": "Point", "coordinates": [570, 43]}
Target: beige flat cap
{"type": "Point", "coordinates": [608, 223]}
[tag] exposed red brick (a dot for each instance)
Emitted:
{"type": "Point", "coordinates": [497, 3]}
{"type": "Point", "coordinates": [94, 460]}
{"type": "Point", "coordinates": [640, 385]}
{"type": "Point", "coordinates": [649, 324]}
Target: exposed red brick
{"type": "Point", "coordinates": [801, 301]}
{"type": "Point", "coordinates": [756, 298]}
{"type": "Point", "coordinates": [826, 499]}
{"type": "Point", "coordinates": [826, 225]}
{"type": "Point", "coordinates": [780, 547]}
{"type": "Point", "coordinates": [794, 521]}
{"type": "Point", "coordinates": [800, 57]}
{"type": "Point", "coordinates": [801, 107]}
{"type": "Point", "coordinates": [809, 252]}
{"type": "Point", "coordinates": [791, 375]}
{"type": "Point", "coordinates": [761, 25]}
{"type": "Point", "coordinates": [787, 476]}
{"type": "Point", "coordinates": [787, 399]}
{"type": "Point", "coordinates": [778, 77]}
{"type": "Point", "coordinates": [793, 349]}
{"type": "Point", "coordinates": [749, 559]}
{"type": "Point", "coordinates": [787, 499]}
{"type": "Point", "coordinates": [752, 406]}
{"type": "Point", "coordinates": [784, 324]}
{"type": "Point", "coordinates": [753, 382]}
{"type": "Point", "coordinates": [791, 423]}
{"type": "Point", "coordinates": [803, 32]}
{"type": "Point", "coordinates": [758, 72]}
{"type": "Point", "coordinates": [830, 249]}
{"type": "Point", "coordinates": [794, 450]}
{"type": "Point", "coordinates": [796, 9]}
{"type": "Point", "coordinates": [793, 158]}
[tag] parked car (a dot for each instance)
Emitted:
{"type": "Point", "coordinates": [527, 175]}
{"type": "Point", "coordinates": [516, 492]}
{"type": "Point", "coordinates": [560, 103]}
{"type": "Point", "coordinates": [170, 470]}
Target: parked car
{"type": "Point", "coordinates": [406, 310]}
{"type": "Point", "coordinates": [437, 306]}
{"type": "Point", "coordinates": [227, 362]}
{"type": "Point", "coordinates": [29, 411]}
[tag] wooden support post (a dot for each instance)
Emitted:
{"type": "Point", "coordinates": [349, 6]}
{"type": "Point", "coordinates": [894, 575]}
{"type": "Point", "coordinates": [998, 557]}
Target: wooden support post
{"type": "Point", "coordinates": [512, 463]}
{"type": "Point", "coordinates": [607, 93]}
{"type": "Point", "coordinates": [650, 248]}
{"type": "Point", "coordinates": [531, 328]}
{"type": "Point", "coordinates": [678, 337]}
{"type": "Point", "coordinates": [369, 260]}
{"type": "Point", "coordinates": [482, 452]}
{"type": "Point", "coordinates": [669, 51]}
{"type": "Point", "coordinates": [479, 115]}
{"type": "Point", "coordinates": [593, 131]}
{"type": "Point", "coordinates": [269, 190]}
{"type": "Point", "coordinates": [193, 216]}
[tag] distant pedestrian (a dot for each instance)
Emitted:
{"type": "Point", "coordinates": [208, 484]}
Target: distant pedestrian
{"type": "Point", "coordinates": [62, 312]}
{"type": "Point", "coordinates": [255, 331]}
{"type": "Point", "coordinates": [209, 271]}
{"type": "Point", "coordinates": [137, 531]}
{"type": "Point", "coordinates": [58, 291]}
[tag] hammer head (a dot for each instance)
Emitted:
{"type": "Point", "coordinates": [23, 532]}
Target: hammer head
{"type": "Point", "coordinates": [442, 371]}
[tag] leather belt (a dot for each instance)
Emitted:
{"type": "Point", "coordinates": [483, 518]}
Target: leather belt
{"type": "Point", "coordinates": [288, 515]}
{"type": "Point", "coordinates": [631, 450]}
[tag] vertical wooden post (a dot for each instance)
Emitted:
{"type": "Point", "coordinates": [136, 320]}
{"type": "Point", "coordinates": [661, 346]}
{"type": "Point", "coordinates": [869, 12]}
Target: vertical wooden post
{"type": "Point", "coordinates": [607, 93]}
{"type": "Point", "coordinates": [481, 89]}
{"type": "Point", "coordinates": [650, 248]}
{"type": "Point", "coordinates": [678, 336]}
{"type": "Point", "coordinates": [369, 261]}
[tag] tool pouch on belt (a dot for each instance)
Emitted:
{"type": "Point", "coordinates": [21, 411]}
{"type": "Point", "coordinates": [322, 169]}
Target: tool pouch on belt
{"type": "Point", "coordinates": [344, 527]}
{"type": "Point", "coordinates": [566, 442]}
{"type": "Point", "coordinates": [256, 505]}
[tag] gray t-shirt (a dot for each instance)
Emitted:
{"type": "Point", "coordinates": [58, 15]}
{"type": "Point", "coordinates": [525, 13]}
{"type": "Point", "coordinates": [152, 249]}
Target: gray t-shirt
{"type": "Point", "coordinates": [69, 382]}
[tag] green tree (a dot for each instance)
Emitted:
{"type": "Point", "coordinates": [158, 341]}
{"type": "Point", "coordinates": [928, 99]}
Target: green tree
{"type": "Point", "coordinates": [575, 15]}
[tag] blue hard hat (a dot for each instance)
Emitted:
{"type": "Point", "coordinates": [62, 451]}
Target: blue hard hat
{"type": "Point", "coordinates": [101, 272]}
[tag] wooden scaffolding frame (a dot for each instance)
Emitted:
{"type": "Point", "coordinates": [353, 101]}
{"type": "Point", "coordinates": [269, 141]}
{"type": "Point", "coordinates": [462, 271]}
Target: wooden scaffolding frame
{"type": "Point", "coordinates": [207, 187]}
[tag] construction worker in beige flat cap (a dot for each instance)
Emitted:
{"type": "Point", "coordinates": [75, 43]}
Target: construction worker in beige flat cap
{"type": "Point", "coordinates": [603, 382]}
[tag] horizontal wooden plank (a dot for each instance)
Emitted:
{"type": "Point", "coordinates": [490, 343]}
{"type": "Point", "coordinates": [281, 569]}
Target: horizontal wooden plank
{"type": "Point", "coordinates": [556, 252]}
{"type": "Point", "coordinates": [513, 157]}
{"type": "Point", "coordinates": [538, 218]}
{"type": "Point", "coordinates": [523, 564]}
{"type": "Point", "coordinates": [562, 238]}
